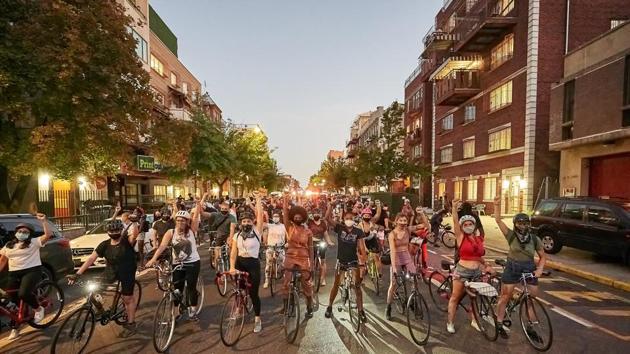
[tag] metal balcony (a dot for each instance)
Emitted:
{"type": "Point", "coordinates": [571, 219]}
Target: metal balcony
{"type": "Point", "coordinates": [457, 87]}
{"type": "Point", "coordinates": [437, 40]}
{"type": "Point", "coordinates": [181, 114]}
{"type": "Point", "coordinates": [485, 24]}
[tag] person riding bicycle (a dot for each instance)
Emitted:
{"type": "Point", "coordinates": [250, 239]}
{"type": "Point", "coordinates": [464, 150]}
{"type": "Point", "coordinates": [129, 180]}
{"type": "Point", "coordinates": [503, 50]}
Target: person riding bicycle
{"type": "Point", "coordinates": [275, 235]}
{"type": "Point", "coordinates": [184, 252]}
{"type": "Point", "coordinates": [299, 252]}
{"type": "Point", "coordinates": [25, 266]}
{"type": "Point", "coordinates": [469, 266]}
{"type": "Point", "coordinates": [319, 228]}
{"type": "Point", "coordinates": [422, 229]}
{"type": "Point", "coordinates": [370, 229]}
{"type": "Point", "coordinates": [244, 253]}
{"type": "Point", "coordinates": [523, 246]}
{"type": "Point", "coordinates": [121, 266]}
{"type": "Point", "coordinates": [162, 224]}
{"type": "Point", "coordinates": [436, 221]}
{"type": "Point", "coordinates": [351, 248]}
{"type": "Point", "coordinates": [223, 222]}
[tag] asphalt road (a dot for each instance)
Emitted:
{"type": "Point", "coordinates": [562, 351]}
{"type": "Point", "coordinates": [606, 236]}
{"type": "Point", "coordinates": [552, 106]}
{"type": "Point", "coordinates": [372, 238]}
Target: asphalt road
{"type": "Point", "coordinates": [587, 317]}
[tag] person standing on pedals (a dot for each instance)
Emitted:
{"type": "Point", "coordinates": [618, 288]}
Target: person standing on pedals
{"type": "Point", "coordinates": [370, 229]}
{"type": "Point", "coordinates": [351, 248]}
{"type": "Point", "coordinates": [319, 228]}
{"type": "Point", "coordinates": [469, 260]}
{"type": "Point", "coordinates": [244, 253]}
{"type": "Point", "coordinates": [299, 252]}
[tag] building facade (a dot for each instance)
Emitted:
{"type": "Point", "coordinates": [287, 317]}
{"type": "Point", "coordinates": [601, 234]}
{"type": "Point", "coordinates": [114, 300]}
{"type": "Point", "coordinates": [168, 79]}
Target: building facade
{"type": "Point", "coordinates": [590, 117]}
{"type": "Point", "coordinates": [334, 155]}
{"type": "Point", "coordinates": [489, 66]}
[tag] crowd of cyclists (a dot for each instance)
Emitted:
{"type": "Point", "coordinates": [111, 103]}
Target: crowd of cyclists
{"type": "Point", "coordinates": [254, 227]}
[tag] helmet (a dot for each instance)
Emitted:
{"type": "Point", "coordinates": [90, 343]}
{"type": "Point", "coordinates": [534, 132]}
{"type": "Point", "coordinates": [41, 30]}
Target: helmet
{"type": "Point", "coordinates": [465, 218]}
{"type": "Point", "coordinates": [247, 216]}
{"type": "Point", "coordinates": [521, 218]}
{"type": "Point", "coordinates": [366, 211]}
{"type": "Point", "coordinates": [114, 227]}
{"type": "Point", "coordinates": [183, 214]}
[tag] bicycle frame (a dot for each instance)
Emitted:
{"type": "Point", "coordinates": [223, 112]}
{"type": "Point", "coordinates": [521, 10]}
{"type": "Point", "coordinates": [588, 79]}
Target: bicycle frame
{"type": "Point", "coordinates": [524, 293]}
{"type": "Point", "coordinates": [18, 317]}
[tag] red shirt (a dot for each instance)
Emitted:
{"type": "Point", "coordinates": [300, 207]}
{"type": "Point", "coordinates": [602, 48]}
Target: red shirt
{"type": "Point", "coordinates": [318, 230]}
{"type": "Point", "coordinates": [472, 248]}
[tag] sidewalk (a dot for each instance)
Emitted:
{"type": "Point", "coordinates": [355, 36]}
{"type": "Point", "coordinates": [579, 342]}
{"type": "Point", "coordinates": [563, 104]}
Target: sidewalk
{"type": "Point", "coordinates": [569, 260]}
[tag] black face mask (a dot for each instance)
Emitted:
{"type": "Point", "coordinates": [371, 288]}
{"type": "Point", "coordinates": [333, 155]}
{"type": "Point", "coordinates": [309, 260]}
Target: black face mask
{"type": "Point", "coordinates": [114, 236]}
{"type": "Point", "coordinates": [367, 219]}
{"type": "Point", "coordinates": [248, 228]}
{"type": "Point", "coordinates": [225, 212]}
{"type": "Point", "coordinates": [316, 217]}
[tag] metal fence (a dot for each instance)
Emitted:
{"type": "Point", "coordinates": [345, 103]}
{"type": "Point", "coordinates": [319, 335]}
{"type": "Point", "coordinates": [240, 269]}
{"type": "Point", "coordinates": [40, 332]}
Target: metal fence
{"type": "Point", "coordinates": [74, 202]}
{"type": "Point", "coordinates": [87, 221]}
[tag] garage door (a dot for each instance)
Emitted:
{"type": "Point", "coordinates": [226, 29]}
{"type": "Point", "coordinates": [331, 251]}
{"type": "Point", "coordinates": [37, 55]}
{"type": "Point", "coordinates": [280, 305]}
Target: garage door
{"type": "Point", "coordinates": [609, 176]}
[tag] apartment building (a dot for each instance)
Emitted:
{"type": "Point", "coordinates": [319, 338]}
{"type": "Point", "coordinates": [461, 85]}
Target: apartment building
{"type": "Point", "coordinates": [484, 81]}
{"type": "Point", "coordinates": [590, 117]}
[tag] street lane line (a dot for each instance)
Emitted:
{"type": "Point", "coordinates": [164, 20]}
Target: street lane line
{"type": "Point", "coordinates": [573, 317]}
{"type": "Point", "coordinates": [432, 251]}
{"type": "Point", "coordinates": [616, 313]}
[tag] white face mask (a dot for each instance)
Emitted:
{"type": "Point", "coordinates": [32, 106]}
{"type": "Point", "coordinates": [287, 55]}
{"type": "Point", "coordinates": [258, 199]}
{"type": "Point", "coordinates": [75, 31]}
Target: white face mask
{"type": "Point", "coordinates": [276, 220]}
{"type": "Point", "coordinates": [349, 223]}
{"type": "Point", "coordinates": [469, 229]}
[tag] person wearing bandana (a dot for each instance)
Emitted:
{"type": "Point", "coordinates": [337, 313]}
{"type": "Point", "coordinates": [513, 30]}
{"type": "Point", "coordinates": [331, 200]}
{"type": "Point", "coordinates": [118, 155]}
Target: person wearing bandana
{"type": "Point", "coordinates": [523, 246]}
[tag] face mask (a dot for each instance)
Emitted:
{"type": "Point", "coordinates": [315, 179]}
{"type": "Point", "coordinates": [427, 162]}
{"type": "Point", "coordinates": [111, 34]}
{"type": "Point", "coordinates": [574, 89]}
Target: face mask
{"type": "Point", "coordinates": [114, 236]}
{"type": "Point", "coordinates": [469, 229]}
{"type": "Point", "coordinates": [385, 209]}
{"type": "Point", "coordinates": [276, 219]}
{"type": "Point", "coordinates": [297, 221]}
{"type": "Point", "coordinates": [165, 218]}
{"type": "Point", "coordinates": [225, 212]}
{"type": "Point", "coordinates": [367, 218]}
{"type": "Point", "coordinates": [349, 222]}
{"type": "Point", "coordinates": [317, 217]}
{"type": "Point", "coordinates": [22, 236]}
{"type": "Point", "coordinates": [402, 224]}
{"type": "Point", "coordinates": [248, 228]}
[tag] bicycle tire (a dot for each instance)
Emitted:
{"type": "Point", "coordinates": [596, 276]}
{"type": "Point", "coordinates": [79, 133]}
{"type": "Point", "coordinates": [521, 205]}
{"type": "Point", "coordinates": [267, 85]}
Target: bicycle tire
{"type": "Point", "coordinates": [523, 307]}
{"type": "Point", "coordinates": [317, 274]}
{"type": "Point", "coordinates": [47, 303]}
{"type": "Point", "coordinates": [353, 309]}
{"type": "Point", "coordinates": [440, 289]}
{"type": "Point", "coordinates": [162, 277]}
{"type": "Point", "coordinates": [448, 239]}
{"type": "Point", "coordinates": [292, 312]}
{"type": "Point", "coordinates": [431, 238]}
{"type": "Point", "coordinates": [120, 308]}
{"type": "Point", "coordinates": [222, 281]}
{"type": "Point", "coordinates": [418, 310]}
{"type": "Point", "coordinates": [201, 294]}
{"type": "Point", "coordinates": [401, 295]}
{"type": "Point", "coordinates": [234, 311]}
{"type": "Point", "coordinates": [165, 311]}
{"type": "Point", "coordinates": [213, 261]}
{"type": "Point", "coordinates": [272, 278]}
{"type": "Point", "coordinates": [485, 317]}
{"type": "Point", "coordinates": [76, 317]}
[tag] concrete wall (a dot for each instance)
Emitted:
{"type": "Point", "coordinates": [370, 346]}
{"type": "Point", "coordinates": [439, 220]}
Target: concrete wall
{"type": "Point", "coordinates": [606, 46]}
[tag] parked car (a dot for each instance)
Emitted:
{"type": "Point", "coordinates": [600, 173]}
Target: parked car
{"type": "Point", "coordinates": [597, 225]}
{"type": "Point", "coordinates": [56, 256]}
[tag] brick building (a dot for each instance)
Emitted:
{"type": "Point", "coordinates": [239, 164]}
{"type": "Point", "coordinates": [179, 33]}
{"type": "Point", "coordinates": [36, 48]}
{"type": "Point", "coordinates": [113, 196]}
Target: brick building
{"type": "Point", "coordinates": [590, 117]}
{"type": "Point", "coordinates": [480, 97]}
{"type": "Point", "coordinates": [334, 155]}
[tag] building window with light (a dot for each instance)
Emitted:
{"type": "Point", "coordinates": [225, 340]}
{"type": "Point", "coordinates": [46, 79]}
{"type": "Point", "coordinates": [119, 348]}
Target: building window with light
{"type": "Point", "coordinates": [501, 96]}
{"type": "Point", "coordinates": [173, 79]}
{"type": "Point", "coordinates": [157, 65]}
{"type": "Point", "coordinates": [441, 188]}
{"type": "Point", "coordinates": [447, 123]}
{"type": "Point", "coordinates": [417, 151]}
{"type": "Point", "coordinates": [469, 148]}
{"type": "Point", "coordinates": [471, 192]}
{"type": "Point", "coordinates": [446, 154]}
{"type": "Point", "coordinates": [470, 113]}
{"type": "Point", "coordinates": [500, 139]}
{"type": "Point", "coordinates": [489, 189]}
{"type": "Point", "coordinates": [502, 52]}
{"type": "Point", "coordinates": [457, 189]}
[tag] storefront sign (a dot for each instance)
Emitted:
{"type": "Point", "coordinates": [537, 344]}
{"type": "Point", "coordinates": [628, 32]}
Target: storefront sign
{"type": "Point", "coordinates": [146, 163]}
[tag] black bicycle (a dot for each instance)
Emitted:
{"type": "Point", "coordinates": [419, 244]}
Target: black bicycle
{"type": "Point", "coordinates": [418, 315]}
{"type": "Point", "coordinates": [349, 296]}
{"type": "Point", "coordinates": [317, 270]}
{"type": "Point", "coordinates": [221, 264]}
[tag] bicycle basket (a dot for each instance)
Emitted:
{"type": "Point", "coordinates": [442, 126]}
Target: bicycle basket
{"type": "Point", "coordinates": [484, 289]}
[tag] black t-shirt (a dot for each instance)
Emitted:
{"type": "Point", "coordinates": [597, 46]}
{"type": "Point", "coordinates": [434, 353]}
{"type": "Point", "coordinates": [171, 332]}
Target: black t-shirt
{"type": "Point", "coordinates": [384, 215]}
{"type": "Point", "coordinates": [121, 258]}
{"type": "Point", "coordinates": [348, 243]}
{"type": "Point", "coordinates": [438, 217]}
{"type": "Point", "coordinates": [162, 226]}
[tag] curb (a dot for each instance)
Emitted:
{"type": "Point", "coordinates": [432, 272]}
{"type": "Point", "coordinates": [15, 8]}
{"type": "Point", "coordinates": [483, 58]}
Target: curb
{"type": "Point", "coordinates": [617, 284]}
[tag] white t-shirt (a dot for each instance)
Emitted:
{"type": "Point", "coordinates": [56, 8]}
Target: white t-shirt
{"type": "Point", "coordinates": [23, 258]}
{"type": "Point", "coordinates": [184, 248]}
{"type": "Point", "coordinates": [277, 234]}
{"type": "Point", "coordinates": [249, 247]}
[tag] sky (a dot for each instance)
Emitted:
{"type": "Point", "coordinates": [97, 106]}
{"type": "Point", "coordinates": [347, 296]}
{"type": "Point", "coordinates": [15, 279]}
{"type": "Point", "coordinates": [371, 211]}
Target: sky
{"type": "Point", "coordinates": [302, 69]}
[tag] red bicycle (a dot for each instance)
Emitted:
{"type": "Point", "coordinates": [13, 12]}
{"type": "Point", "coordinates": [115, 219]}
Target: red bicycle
{"type": "Point", "coordinates": [237, 306]}
{"type": "Point", "coordinates": [49, 295]}
{"type": "Point", "coordinates": [416, 243]}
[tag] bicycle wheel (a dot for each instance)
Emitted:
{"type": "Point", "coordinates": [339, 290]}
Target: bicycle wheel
{"type": "Point", "coordinates": [400, 297]}
{"type": "Point", "coordinates": [213, 261]}
{"type": "Point", "coordinates": [431, 238]}
{"type": "Point", "coordinates": [292, 317]}
{"type": "Point", "coordinates": [50, 297]}
{"type": "Point", "coordinates": [485, 317]}
{"type": "Point", "coordinates": [163, 324]}
{"type": "Point", "coordinates": [448, 239]}
{"type": "Point", "coordinates": [120, 307]}
{"type": "Point", "coordinates": [418, 318]}
{"type": "Point", "coordinates": [232, 319]}
{"type": "Point", "coordinates": [536, 323]}
{"type": "Point", "coordinates": [353, 309]}
{"type": "Point", "coordinates": [200, 294]}
{"type": "Point", "coordinates": [74, 333]}
{"type": "Point", "coordinates": [162, 276]}
{"type": "Point", "coordinates": [272, 278]}
{"type": "Point", "coordinates": [317, 274]}
{"type": "Point", "coordinates": [279, 270]}
{"type": "Point", "coordinates": [222, 280]}
{"type": "Point", "coordinates": [440, 288]}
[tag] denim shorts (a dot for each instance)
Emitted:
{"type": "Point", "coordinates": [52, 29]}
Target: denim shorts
{"type": "Point", "coordinates": [514, 270]}
{"type": "Point", "coordinates": [466, 274]}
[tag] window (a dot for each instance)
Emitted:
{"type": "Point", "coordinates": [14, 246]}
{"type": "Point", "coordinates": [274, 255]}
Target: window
{"type": "Point", "coordinates": [617, 22]}
{"type": "Point", "coordinates": [446, 154]}
{"type": "Point", "coordinates": [573, 211]}
{"type": "Point", "coordinates": [502, 52]}
{"type": "Point", "coordinates": [470, 113]}
{"type": "Point", "coordinates": [500, 140]}
{"type": "Point", "coordinates": [441, 188]}
{"type": "Point", "coordinates": [503, 7]}
{"type": "Point", "coordinates": [157, 65]}
{"type": "Point", "coordinates": [501, 96]}
{"type": "Point", "coordinates": [173, 79]}
{"type": "Point", "coordinates": [489, 189]}
{"type": "Point", "coordinates": [450, 24]}
{"type": "Point", "coordinates": [417, 151]}
{"type": "Point", "coordinates": [546, 209]}
{"type": "Point", "coordinates": [185, 88]}
{"type": "Point", "coordinates": [159, 193]}
{"type": "Point", "coordinates": [131, 194]}
{"type": "Point", "coordinates": [469, 148]}
{"type": "Point", "coordinates": [457, 192]}
{"type": "Point", "coordinates": [601, 215]}
{"type": "Point", "coordinates": [471, 193]}
{"type": "Point", "coordinates": [567, 111]}
{"type": "Point", "coordinates": [142, 47]}
{"type": "Point", "coordinates": [447, 122]}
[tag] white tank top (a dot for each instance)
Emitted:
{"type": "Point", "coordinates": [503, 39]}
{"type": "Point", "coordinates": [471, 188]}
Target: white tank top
{"type": "Point", "coordinates": [184, 248]}
{"type": "Point", "coordinates": [248, 247]}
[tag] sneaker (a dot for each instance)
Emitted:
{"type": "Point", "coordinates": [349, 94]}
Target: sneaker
{"type": "Point", "coordinates": [14, 334]}
{"type": "Point", "coordinates": [129, 329]}
{"type": "Point", "coordinates": [531, 333]}
{"type": "Point", "coordinates": [266, 285]}
{"type": "Point", "coordinates": [323, 283]}
{"type": "Point", "coordinates": [474, 325]}
{"type": "Point", "coordinates": [450, 328]}
{"type": "Point", "coordinates": [257, 325]}
{"type": "Point", "coordinates": [388, 312]}
{"type": "Point", "coordinates": [362, 316]}
{"type": "Point", "coordinates": [309, 312]}
{"type": "Point", "coordinates": [328, 313]}
{"type": "Point", "coordinates": [502, 332]}
{"type": "Point", "coordinates": [39, 315]}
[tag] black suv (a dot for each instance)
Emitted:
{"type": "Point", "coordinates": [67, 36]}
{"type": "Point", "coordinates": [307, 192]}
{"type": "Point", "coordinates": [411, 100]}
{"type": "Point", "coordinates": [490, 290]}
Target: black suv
{"type": "Point", "coordinates": [598, 225]}
{"type": "Point", "coordinates": [56, 255]}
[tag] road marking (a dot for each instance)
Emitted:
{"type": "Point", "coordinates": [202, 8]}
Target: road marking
{"type": "Point", "coordinates": [616, 313]}
{"type": "Point", "coordinates": [594, 296]}
{"type": "Point", "coordinates": [432, 251]}
{"type": "Point", "coordinates": [573, 317]}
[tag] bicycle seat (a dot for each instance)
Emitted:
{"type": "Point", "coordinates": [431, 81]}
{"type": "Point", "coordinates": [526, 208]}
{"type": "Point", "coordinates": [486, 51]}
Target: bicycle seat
{"type": "Point", "coordinates": [446, 265]}
{"type": "Point", "coordinates": [501, 262]}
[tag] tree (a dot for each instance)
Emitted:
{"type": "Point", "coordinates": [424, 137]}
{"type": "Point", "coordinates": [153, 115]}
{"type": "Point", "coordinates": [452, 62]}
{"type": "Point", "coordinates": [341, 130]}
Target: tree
{"type": "Point", "coordinates": [74, 98]}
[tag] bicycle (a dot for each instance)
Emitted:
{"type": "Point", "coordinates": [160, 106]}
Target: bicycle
{"type": "Point", "coordinates": [425, 272]}
{"type": "Point", "coordinates": [163, 267]}
{"type": "Point", "coordinates": [292, 309]}
{"type": "Point", "coordinates": [532, 313]}
{"type": "Point", "coordinates": [418, 315]}
{"type": "Point", "coordinates": [49, 296]}
{"type": "Point", "coordinates": [212, 236]}
{"type": "Point", "coordinates": [317, 270]}
{"type": "Point", "coordinates": [238, 304]}
{"type": "Point", "coordinates": [221, 264]}
{"type": "Point", "coordinates": [276, 270]}
{"type": "Point", "coordinates": [445, 234]}
{"type": "Point", "coordinates": [400, 295]}
{"type": "Point", "coordinates": [348, 295]}
{"type": "Point", "coordinates": [373, 272]}
{"type": "Point", "coordinates": [80, 323]}
{"type": "Point", "coordinates": [164, 319]}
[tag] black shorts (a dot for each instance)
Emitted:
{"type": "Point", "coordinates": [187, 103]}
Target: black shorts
{"type": "Point", "coordinates": [127, 280]}
{"type": "Point", "coordinates": [514, 270]}
{"type": "Point", "coordinates": [322, 252]}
